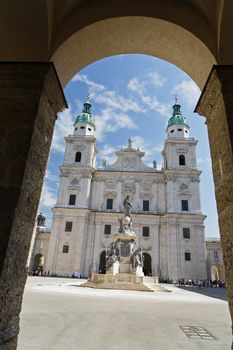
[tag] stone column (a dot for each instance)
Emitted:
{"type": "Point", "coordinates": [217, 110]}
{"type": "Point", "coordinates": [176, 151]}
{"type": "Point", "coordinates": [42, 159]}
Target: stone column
{"type": "Point", "coordinates": [30, 97]}
{"type": "Point", "coordinates": [216, 104]}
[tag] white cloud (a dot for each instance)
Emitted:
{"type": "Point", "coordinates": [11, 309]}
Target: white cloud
{"type": "Point", "coordinates": [63, 127]}
{"type": "Point", "coordinates": [111, 121]}
{"type": "Point", "coordinates": [107, 152]}
{"type": "Point", "coordinates": [136, 86]}
{"type": "Point", "coordinates": [188, 90]}
{"type": "Point", "coordinates": [151, 150]}
{"type": "Point", "coordinates": [93, 86]}
{"type": "Point", "coordinates": [49, 196]}
{"type": "Point", "coordinates": [156, 79]}
{"type": "Point", "coordinates": [153, 104]}
{"type": "Point", "coordinates": [50, 176]}
{"type": "Point", "coordinates": [204, 163]}
{"type": "Point", "coordinates": [149, 102]}
{"type": "Point", "coordinates": [112, 100]}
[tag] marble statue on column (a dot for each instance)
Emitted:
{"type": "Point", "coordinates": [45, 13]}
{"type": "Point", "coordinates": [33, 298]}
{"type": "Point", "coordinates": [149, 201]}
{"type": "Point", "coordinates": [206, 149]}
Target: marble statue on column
{"type": "Point", "coordinates": [126, 221]}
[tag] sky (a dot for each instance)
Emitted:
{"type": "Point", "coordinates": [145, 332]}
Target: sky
{"type": "Point", "coordinates": [131, 96]}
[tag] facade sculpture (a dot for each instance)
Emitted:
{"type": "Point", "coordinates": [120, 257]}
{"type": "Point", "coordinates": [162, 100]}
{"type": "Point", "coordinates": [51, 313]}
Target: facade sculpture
{"type": "Point", "coordinates": [41, 220]}
{"type": "Point", "coordinates": [137, 258]}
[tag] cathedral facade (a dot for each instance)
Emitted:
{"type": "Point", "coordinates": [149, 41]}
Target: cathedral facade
{"type": "Point", "coordinates": [167, 216]}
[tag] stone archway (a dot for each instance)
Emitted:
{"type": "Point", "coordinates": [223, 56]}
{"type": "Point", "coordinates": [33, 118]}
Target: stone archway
{"type": "Point", "coordinates": [214, 273]}
{"type": "Point", "coordinates": [102, 264]}
{"type": "Point", "coordinates": [147, 264]}
{"type": "Point", "coordinates": [125, 35]}
{"type": "Point", "coordinates": [193, 36]}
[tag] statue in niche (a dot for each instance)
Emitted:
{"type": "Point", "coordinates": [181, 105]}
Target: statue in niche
{"type": "Point", "coordinates": [40, 220]}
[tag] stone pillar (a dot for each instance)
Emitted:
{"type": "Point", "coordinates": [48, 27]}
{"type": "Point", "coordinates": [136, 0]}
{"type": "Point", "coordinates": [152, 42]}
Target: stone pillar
{"type": "Point", "coordinates": [30, 97]}
{"type": "Point", "coordinates": [216, 104]}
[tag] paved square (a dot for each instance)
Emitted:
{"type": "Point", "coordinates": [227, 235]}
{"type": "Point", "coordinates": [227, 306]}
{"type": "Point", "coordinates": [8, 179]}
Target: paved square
{"type": "Point", "coordinates": [57, 315]}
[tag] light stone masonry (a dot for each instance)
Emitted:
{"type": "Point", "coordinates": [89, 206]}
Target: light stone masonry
{"type": "Point", "coordinates": [167, 217]}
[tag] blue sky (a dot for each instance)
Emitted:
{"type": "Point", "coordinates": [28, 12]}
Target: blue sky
{"type": "Point", "coordinates": [132, 96]}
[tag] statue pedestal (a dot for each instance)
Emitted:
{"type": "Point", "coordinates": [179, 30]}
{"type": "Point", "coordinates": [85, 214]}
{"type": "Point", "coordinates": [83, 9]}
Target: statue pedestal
{"type": "Point", "coordinates": [114, 269]}
{"type": "Point", "coordinates": [125, 265]}
{"type": "Point", "coordinates": [139, 271]}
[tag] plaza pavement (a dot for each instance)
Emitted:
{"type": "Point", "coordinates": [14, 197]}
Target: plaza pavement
{"type": "Point", "coordinates": [56, 314]}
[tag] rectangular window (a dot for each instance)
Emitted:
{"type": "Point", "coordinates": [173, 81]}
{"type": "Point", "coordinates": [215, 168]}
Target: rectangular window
{"type": "Point", "coordinates": [65, 248]}
{"type": "Point", "coordinates": [107, 229]}
{"type": "Point", "coordinates": [72, 199]}
{"type": "Point", "coordinates": [186, 232]}
{"type": "Point", "coordinates": [146, 205]}
{"type": "Point", "coordinates": [187, 256]}
{"type": "Point", "coordinates": [109, 203]}
{"type": "Point", "coordinates": [146, 231]}
{"type": "Point", "coordinates": [184, 205]}
{"type": "Point", "coordinates": [68, 227]}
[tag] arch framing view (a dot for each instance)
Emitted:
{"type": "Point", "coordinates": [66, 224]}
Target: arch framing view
{"type": "Point", "coordinates": [31, 92]}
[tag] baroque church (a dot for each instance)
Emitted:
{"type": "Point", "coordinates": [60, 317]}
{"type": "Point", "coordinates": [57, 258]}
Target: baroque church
{"type": "Point", "coordinates": [167, 216]}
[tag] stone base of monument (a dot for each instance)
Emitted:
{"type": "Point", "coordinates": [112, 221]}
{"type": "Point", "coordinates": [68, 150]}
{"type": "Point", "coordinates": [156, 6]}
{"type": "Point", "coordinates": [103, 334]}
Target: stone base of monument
{"type": "Point", "coordinates": [120, 281]}
{"type": "Point", "coordinates": [114, 269]}
{"type": "Point", "coordinates": [124, 264]}
{"type": "Point", "coordinates": [124, 281]}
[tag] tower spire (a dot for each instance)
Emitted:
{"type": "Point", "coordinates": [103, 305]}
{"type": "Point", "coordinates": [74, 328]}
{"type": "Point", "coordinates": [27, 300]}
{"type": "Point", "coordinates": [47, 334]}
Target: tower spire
{"type": "Point", "coordinates": [86, 116]}
{"type": "Point", "coordinates": [87, 105]}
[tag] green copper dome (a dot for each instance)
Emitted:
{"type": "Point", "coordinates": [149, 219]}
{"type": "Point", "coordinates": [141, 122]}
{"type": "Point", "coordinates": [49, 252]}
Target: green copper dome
{"type": "Point", "coordinates": [86, 115]}
{"type": "Point", "coordinates": [177, 118]}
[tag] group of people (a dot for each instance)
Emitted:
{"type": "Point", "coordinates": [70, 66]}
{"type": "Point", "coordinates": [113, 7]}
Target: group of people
{"type": "Point", "coordinates": [38, 272]}
{"type": "Point", "coordinates": [200, 283]}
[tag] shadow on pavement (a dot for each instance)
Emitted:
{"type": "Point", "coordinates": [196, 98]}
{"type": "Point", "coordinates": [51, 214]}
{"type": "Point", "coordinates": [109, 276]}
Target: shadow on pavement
{"type": "Point", "coordinates": [218, 293]}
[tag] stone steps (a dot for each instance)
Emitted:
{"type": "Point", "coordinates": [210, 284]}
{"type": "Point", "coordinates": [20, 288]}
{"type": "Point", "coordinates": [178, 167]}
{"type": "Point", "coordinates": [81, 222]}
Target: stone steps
{"type": "Point", "coordinates": [117, 286]}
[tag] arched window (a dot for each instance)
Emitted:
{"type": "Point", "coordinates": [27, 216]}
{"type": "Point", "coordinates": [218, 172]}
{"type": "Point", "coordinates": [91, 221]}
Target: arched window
{"type": "Point", "coordinates": [181, 159]}
{"type": "Point", "coordinates": [78, 157]}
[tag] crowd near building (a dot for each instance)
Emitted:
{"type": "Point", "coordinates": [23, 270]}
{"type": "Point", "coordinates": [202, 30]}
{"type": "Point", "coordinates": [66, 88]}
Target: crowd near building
{"type": "Point", "coordinates": [167, 216]}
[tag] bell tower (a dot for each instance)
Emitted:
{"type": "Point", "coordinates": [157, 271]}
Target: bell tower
{"type": "Point", "coordinates": [180, 166]}
{"type": "Point", "coordinates": [79, 161]}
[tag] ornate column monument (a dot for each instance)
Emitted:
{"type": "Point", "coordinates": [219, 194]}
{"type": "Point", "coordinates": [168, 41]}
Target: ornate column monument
{"type": "Point", "coordinates": [122, 255]}
{"type": "Point", "coordinates": [124, 259]}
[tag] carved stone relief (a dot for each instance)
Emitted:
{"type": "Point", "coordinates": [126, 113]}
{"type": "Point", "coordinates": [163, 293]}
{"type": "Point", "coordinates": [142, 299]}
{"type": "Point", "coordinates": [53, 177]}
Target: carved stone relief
{"type": "Point", "coordinates": [110, 194]}
{"type": "Point", "coordinates": [129, 162]}
{"type": "Point", "coordinates": [144, 195]}
{"type": "Point", "coordinates": [147, 185]}
{"type": "Point", "coordinates": [110, 184]}
{"type": "Point", "coordinates": [129, 188]}
{"type": "Point", "coordinates": [74, 181]}
{"type": "Point", "coordinates": [184, 188]}
{"type": "Point", "coordinates": [79, 147]}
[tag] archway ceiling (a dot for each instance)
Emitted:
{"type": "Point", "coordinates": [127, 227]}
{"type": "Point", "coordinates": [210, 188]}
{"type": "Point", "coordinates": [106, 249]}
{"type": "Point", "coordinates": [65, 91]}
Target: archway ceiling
{"type": "Point", "coordinates": [34, 30]}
